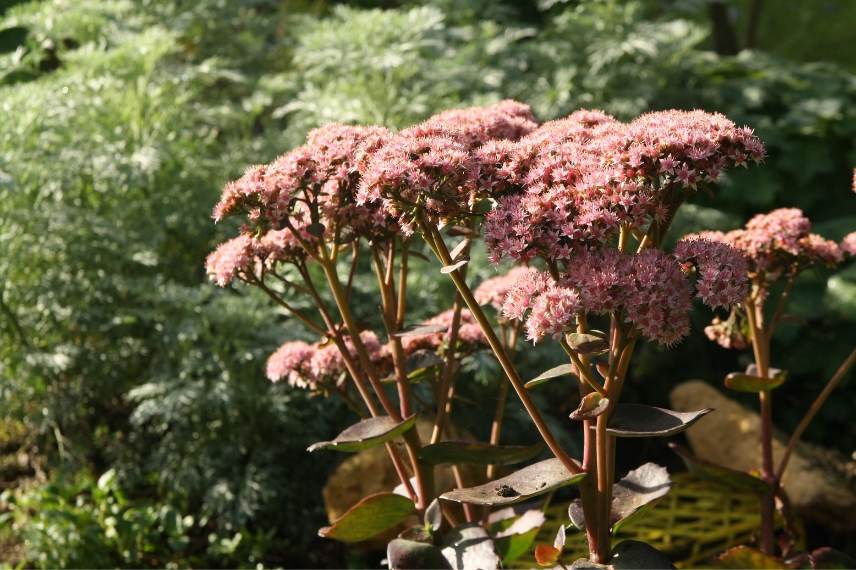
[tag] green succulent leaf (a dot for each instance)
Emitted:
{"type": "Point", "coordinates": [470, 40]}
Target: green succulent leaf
{"type": "Point", "coordinates": [369, 517]}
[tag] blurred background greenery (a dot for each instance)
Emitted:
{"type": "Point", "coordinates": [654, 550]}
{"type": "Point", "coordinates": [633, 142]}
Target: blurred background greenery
{"type": "Point", "coordinates": [138, 429]}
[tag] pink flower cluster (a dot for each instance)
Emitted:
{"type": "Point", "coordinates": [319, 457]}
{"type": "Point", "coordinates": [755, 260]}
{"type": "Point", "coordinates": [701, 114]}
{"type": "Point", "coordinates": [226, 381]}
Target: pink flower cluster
{"type": "Point", "coordinates": [470, 335]}
{"type": "Point", "coordinates": [432, 166]}
{"type": "Point", "coordinates": [306, 365]}
{"type": "Point", "coordinates": [580, 179]}
{"type": "Point", "coordinates": [727, 334]}
{"type": "Point", "coordinates": [722, 270]}
{"type": "Point", "coordinates": [778, 242]}
{"type": "Point", "coordinates": [311, 187]}
{"type": "Point", "coordinates": [848, 244]}
{"type": "Point", "coordinates": [649, 287]}
{"type": "Point", "coordinates": [494, 290]}
{"type": "Point", "coordinates": [474, 126]}
{"type": "Point", "coordinates": [246, 255]}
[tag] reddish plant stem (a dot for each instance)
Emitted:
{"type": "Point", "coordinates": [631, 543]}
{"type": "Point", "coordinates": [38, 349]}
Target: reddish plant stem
{"type": "Point", "coordinates": [761, 349]}
{"type": "Point", "coordinates": [435, 240]}
{"type": "Point", "coordinates": [423, 477]}
{"type": "Point", "coordinates": [813, 410]}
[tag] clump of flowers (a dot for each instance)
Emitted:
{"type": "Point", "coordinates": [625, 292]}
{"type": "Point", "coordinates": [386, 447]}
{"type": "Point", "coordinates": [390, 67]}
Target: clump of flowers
{"type": "Point", "coordinates": [592, 198]}
{"type": "Point", "coordinates": [603, 176]}
{"type": "Point", "coordinates": [848, 244]}
{"type": "Point", "coordinates": [777, 247]}
{"type": "Point", "coordinates": [469, 334]}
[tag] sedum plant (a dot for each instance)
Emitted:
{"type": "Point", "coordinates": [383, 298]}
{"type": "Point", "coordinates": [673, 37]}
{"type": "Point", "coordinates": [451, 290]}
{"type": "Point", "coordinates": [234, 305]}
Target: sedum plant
{"type": "Point", "coordinates": [778, 247]}
{"type": "Point", "coordinates": [582, 206]}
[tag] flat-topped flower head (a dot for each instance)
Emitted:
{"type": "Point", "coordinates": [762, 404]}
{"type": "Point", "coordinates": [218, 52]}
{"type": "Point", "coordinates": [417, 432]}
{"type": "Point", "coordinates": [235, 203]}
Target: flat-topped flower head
{"type": "Point", "coordinates": [554, 312]}
{"type": "Point", "coordinates": [474, 126]}
{"type": "Point", "coordinates": [576, 182]}
{"type": "Point", "coordinates": [780, 242]}
{"type": "Point", "coordinates": [290, 361]}
{"type": "Point", "coordinates": [312, 186]}
{"type": "Point", "coordinates": [408, 174]}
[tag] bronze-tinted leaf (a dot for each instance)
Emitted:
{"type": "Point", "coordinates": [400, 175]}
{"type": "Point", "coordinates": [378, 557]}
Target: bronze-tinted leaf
{"type": "Point", "coordinates": [636, 492]}
{"type": "Point", "coordinates": [555, 372]}
{"type": "Point", "coordinates": [469, 546]}
{"type": "Point", "coordinates": [828, 558]}
{"type": "Point", "coordinates": [546, 554]}
{"type": "Point", "coordinates": [454, 267]}
{"type": "Point", "coordinates": [478, 453]}
{"type": "Point", "coordinates": [422, 330]}
{"type": "Point", "coordinates": [638, 420]}
{"type": "Point", "coordinates": [591, 406]}
{"type": "Point", "coordinates": [403, 554]}
{"type": "Point", "coordinates": [367, 433]}
{"type": "Point", "coordinates": [587, 343]}
{"type": "Point", "coordinates": [748, 383]}
{"type": "Point", "coordinates": [531, 481]}
{"type": "Point", "coordinates": [636, 555]}
{"type": "Point", "coordinates": [371, 516]}
{"type": "Point", "coordinates": [743, 557]}
{"type": "Point", "coordinates": [728, 477]}
{"type": "Point", "coordinates": [456, 251]}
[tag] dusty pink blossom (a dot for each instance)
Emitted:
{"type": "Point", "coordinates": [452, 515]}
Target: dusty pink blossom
{"type": "Point", "coordinates": [816, 249]}
{"type": "Point", "coordinates": [722, 270]}
{"type": "Point", "coordinates": [327, 361]}
{"type": "Point", "coordinates": [493, 291]}
{"type": "Point", "coordinates": [554, 311]}
{"type": "Point", "coordinates": [291, 361]}
{"type": "Point", "coordinates": [474, 126]}
{"type": "Point", "coordinates": [311, 187]}
{"type": "Point", "coordinates": [658, 297]}
{"type": "Point", "coordinates": [409, 174]}
{"type": "Point", "coordinates": [726, 334]}
{"type": "Point", "coordinates": [848, 244]}
{"type": "Point", "coordinates": [601, 276]}
{"type": "Point", "coordinates": [521, 294]}
{"type": "Point", "coordinates": [230, 259]}
{"type": "Point", "coordinates": [469, 333]}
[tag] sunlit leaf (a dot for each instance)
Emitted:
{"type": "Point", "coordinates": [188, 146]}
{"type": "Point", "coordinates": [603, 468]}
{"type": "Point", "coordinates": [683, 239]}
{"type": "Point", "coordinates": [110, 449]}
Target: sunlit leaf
{"type": "Point", "coordinates": [591, 406]}
{"type": "Point", "coordinates": [371, 516]}
{"type": "Point", "coordinates": [469, 547]}
{"type": "Point", "coordinates": [555, 372]}
{"type": "Point", "coordinates": [750, 382]}
{"type": "Point", "coordinates": [457, 265]}
{"type": "Point", "coordinates": [422, 330]}
{"type": "Point", "coordinates": [531, 481]}
{"type": "Point", "coordinates": [367, 433]}
{"type": "Point", "coordinates": [636, 492]}
{"type": "Point", "coordinates": [458, 249]}
{"type": "Point", "coordinates": [546, 554]}
{"type": "Point", "coordinates": [587, 343]}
